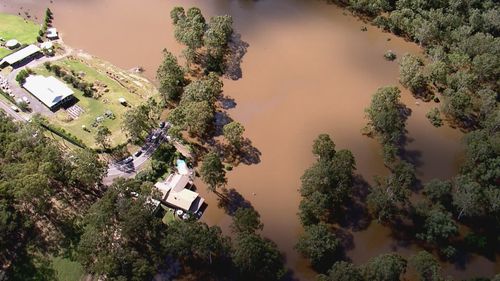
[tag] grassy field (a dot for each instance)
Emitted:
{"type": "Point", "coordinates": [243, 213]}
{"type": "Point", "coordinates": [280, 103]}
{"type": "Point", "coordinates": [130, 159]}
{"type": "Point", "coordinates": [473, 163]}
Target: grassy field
{"type": "Point", "coordinates": [96, 71]}
{"type": "Point", "coordinates": [67, 270]}
{"type": "Point", "coordinates": [15, 27]}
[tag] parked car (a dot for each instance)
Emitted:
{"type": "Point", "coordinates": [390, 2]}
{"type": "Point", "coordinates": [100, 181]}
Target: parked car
{"type": "Point", "coordinates": [162, 125]}
{"type": "Point", "coordinates": [128, 160]}
{"type": "Point", "coordinates": [138, 153]}
{"type": "Point", "coordinates": [155, 136]}
{"type": "Point", "coordinates": [26, 100]}
{"type": "Point", "coordinates": [15, 108]}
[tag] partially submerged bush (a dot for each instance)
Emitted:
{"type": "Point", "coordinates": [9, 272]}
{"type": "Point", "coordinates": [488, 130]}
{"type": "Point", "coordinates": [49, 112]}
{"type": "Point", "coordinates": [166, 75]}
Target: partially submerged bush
{"type": "Point", "coordinates": [434, 117]}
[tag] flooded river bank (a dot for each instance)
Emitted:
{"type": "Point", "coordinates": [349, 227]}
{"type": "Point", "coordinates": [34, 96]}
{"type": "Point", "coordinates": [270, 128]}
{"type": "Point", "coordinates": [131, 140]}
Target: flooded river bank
{"type": "Point", "coordinates": [309, 69]}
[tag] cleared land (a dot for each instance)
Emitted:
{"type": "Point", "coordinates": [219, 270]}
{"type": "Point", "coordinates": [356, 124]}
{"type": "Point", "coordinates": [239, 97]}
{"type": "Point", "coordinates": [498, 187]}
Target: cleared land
{"type": "Point", "coordinates": [14, 27]}
{"type": "Point", "coordinates": [119, 84]}
{"type": "Point", "coordinates": [67, 270]}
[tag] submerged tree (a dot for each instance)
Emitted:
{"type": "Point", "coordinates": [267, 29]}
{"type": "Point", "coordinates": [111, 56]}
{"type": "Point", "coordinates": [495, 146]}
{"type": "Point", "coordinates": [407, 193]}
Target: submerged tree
{"type": "Point", "coordinates": [324, 147]}
{"type": "Point", "coordinates": [257, 258]}
{"type": "Point", "coordinates": [233, 132]}
{"type": "Point", "coordinates": [212, 171]}
{"type": "Point", "coordinates": [427, 266]}
{"type": "Point", "coordinates": [171, 78]}
{"type": "Point", "coordinates": [386, 267]}
{"type": "Point", "coordinates": [386, 119]}
{"type": "Point", "coordinates": [342, 271]}
{"type": "Point", "coordinates": [318, 244]}
{"type": "Point", "coordinates": [411, 73]}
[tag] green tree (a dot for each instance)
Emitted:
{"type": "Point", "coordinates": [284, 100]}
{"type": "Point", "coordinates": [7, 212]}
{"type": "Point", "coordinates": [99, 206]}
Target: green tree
{"type": "Point", "coordinates": [318, 244]}
{"type": "Point", "coordinates": [136, 122]}
{"type": "Point", "coordinates": [438, 226]}
{"type": "Point", "coordinates": [208, 89]}
{"type": "Point", "coordinates": [171, 78]}
{"type": "Point", "coordinates": [434, 117]}
{"type": "Point", "coordinates": [116, 228]}
{"type": "Point", "coordinates": [199, 118]}
{"type": "Point", "coordinates": [233, 132]}
{"type": "Point", "coordinates": [438, 191]}
{"type": "Point", "coordinates": [342, 271]}
{"type": "Point", "coordinates": [324, 147]}
{"type": "Point", "coordinates": [468, 198]}
{"type": "Point", "coordinates": [411, 73]}
{"type": "Point", "coordinates": [87, 169]}
{"type": "Point", "coordinates": [257, 258]}
{"type": "Point", "coordinates": [189, 29]}
{"type": "Point", "coordinates": [427, 266]}
{"type": "Point", "coordinates": [246, 220]}
{"type": "Point", "coordinates": [458, 104]}
{"type": "Point", "coordinates": [216, 39]}
{"type": "Point", "coordinates": [437, 72]}
{"type": "Point", "coordinates": [386, 267]}
{"type": "Point", "coordinates": [102, 136]}
{"type": "Point", "coordinates": [212, 171]}
{"type": "Point", "coordinates": [195, 242]}
{"type": "Point", "coordinates": [385, 116]}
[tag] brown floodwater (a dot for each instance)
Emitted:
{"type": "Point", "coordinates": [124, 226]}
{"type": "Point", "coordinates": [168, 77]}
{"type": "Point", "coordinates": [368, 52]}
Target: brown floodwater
{"type": "Point", "coordinates": [309, 69]}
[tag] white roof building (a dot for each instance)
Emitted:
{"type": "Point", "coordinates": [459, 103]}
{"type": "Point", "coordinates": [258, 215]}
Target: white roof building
{"type": "Point", "coordinates": [20, 55]}
{"type": "Point", "coordinates": [46, 45]}
{"type": "Point", "coordinates": [52, 33]}
{"type": "Point", "coordinates": [48, 90]}
{"type": "Point", "coordinates": [12, 43]}
{"type": "Point", "coordinates": [175, 193]}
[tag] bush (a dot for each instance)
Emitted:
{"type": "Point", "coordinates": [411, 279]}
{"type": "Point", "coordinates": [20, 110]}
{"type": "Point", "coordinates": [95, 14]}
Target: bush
{"type": "Point", "coordinates": [48, 65]}
{"type": "Point", "coordinates": [390, 55]}
{"type": "Point", "coordinates": [434, 117]}
{"type": "Point", "coordinates": [22, 75]}
{"type": "Point", "coordinates": [23, 106]}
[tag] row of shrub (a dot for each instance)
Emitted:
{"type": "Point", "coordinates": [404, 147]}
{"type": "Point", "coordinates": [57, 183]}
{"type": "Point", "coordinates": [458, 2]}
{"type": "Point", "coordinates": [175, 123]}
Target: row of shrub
{"type": "Point", "coordinates": [22, 75]}
{"type": "Point", "coordinates": [7, 96]}
{"type": "Point", "coordinates": [71, 77]}
{"type": "Point", "coordinates": [49, 16]}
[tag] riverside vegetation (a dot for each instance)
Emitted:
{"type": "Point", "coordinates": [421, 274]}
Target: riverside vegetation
{"type": "Point", "coordinates": [462, 69]}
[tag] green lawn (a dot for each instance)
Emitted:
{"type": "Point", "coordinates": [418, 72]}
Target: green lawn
{"type": "Point", "coordinates": [15, 27]}
{"type": "Point", "coordinates": [94, 107]}
{"type": "Point", "coordinates": [169, 216]}
{"type": "Point", "coordinates": [67, 270]}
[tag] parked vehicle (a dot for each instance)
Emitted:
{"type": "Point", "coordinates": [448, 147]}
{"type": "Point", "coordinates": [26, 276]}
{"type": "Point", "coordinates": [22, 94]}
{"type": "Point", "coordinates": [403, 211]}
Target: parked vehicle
{"type": "Point", "coordinates": [26, 100]}
{"type": "Point", "coordinates": [138, 153]}
{"type": "Point", "coordinates": [15, 108]}
{"type": "Point", "coordinates": [162, 125]}
{"type": "Point", "coordinates": [128, 160]}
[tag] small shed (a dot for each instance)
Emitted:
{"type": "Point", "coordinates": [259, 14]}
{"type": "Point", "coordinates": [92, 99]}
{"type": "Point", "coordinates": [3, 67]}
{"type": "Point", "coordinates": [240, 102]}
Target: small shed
{"type": "Point", "coordinates": [52, 33]}
{"type": "Point", "coordinates": [46, 45]}
{"type": "Point", "coordinates": [123, 101]}
{"type": "Point", "coordinates": [11, 44]}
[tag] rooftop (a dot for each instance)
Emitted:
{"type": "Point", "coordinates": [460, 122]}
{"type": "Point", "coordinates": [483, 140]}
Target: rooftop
{"type": "Point", "coordinates": [20, 55]}
{"type": "Point", "coordinates": [51, 32]}
{"type": "Point", "coordinates": [48, 90]}
{"type": "Point", "coordinates": [182, 199]}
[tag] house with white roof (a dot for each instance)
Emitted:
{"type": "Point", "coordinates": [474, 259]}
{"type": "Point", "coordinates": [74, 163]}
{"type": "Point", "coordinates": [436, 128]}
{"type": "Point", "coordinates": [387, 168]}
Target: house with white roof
{"type": "Point", "coordinates": [50, 91]}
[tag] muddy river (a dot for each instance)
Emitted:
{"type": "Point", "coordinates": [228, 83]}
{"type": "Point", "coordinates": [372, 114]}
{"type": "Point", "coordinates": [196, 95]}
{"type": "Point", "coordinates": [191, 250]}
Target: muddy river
{"type": "Point", "coordinates": [308, 69]}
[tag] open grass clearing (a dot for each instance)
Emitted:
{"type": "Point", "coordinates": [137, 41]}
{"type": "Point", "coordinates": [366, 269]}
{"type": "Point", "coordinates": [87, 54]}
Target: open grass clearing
{"type": "Point", "coordinates": [67, 270]}
{"type": "Point", "coordinates": [15, 27]}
